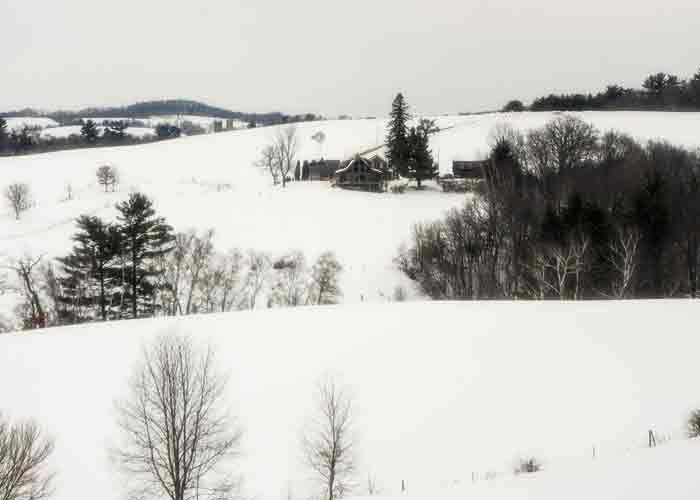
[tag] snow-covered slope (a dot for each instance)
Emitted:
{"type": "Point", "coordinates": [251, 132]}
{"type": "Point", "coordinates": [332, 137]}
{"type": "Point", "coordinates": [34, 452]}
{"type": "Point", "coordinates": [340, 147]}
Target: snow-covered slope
{"type": "Point", "coordinates": [667, 472]}
{"type": "Point", "coordinates": [443, 392]}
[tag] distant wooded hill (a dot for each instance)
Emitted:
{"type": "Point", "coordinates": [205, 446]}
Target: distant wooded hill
{"type": "Point", "coordinates": [158, 108]}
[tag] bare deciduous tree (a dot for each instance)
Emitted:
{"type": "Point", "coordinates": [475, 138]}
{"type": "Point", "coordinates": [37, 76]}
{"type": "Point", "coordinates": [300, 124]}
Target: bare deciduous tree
{"type": "Point", "coordinates": [328, 443]}
{"type": "Point", "coordinates": [256, 278]}
{"type": "Point", "coordinates": [286, 145]}
{"type": "Point", "coordinates": [24, 456]}
{"type": "Point", "coordinates": [202, 250]}
{"type": "Point", "coordinates": [26, 267]}
{"type": "Point", "coordinates": [269, 160]}
{"type": "Point", "coordinates": [178, 439]}
{"type": "Point", "coordinates": [108, 176]}
{"type": "Point", "coordinates": [291, 280]}
{"type": "Point", "coordinates": [324, 274]}
{"type": "Point", "coordinates": [18, 197]}
{"type": "Point", "coordinates": [218, 286]}
{"type": "Point", "coordinates": [622, 257]}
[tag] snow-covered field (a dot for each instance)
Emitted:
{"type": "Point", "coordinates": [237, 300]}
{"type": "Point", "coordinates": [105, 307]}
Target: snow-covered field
{"type": "Point", "coordinates": [63, 132]}
{"type": "Point", "coordinates": [444, 393]}
{"type": "Point", "coordinates": [29, 121]}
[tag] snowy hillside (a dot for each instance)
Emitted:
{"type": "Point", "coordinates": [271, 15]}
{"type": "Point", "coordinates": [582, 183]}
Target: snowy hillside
{"type": "Point", "coordinates": [444, 392]}
{"type": "Point", "coordinates": [210, 181]}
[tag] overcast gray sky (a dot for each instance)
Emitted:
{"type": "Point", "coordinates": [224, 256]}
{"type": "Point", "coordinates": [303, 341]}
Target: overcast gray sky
{"type": "Point", "coordinates": [334, 57]}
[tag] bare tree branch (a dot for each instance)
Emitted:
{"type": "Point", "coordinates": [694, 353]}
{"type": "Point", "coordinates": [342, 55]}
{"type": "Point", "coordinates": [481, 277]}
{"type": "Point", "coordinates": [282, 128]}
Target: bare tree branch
{"type": "Point", "coordinates": [24, 453]}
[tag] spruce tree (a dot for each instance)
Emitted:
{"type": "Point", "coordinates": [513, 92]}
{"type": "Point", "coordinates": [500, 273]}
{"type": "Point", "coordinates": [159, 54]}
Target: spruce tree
{"type": "Point", "coordinates": [145, 237]}
{"type": "Point", "coordinates": [89, 272]}
{"type": "Point", "coordinates": [89, 131]}
{"type": "Point", "coordinates": [397, 136]}
{"type": "Point", "coordinates": [421, 165]}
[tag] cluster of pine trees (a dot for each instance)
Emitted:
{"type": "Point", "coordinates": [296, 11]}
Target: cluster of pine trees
{"type": "Point", "coordinates": [110, 272]}
{"type": "Point", "coordinates": [409, 155]}
{"type": "Point", "coordinates": [567, 213]}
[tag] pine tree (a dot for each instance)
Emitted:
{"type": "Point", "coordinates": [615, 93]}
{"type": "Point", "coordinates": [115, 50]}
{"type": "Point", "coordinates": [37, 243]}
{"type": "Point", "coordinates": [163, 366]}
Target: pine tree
{"type": "Point", "coordinates": [3, 133]}
{"type": "Point", "coordinates": [145, 237]}
{"type": "Point", "coordinates": [421, 165]}
{"type": "Point", "coordinates": [89, 272]}
{"type": "Point", "coordinates": [397, 136]}
{"type": "Point", "coordinates": [89, 131]}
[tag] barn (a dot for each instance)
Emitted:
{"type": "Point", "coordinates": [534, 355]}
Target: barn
{"type": "Point", "coordinates": [468, 169]}
{"type": "Point", "coordinates": [320, 170]}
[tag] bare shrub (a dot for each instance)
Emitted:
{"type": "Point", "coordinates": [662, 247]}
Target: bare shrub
{"type": "Point", "coordinates": [108, 177]}
{"type": "Point", "coordinates": [400, 294]}
{"type": "Point", "coordinates": [328, 443]}
{"type": "Point", "coordinates": [178, 440]}
{"type": "Point", "coordinates": [24, 456]}
{"type": "Point", "coordinates": [528, 465]}
{"type": "Point", "coordinates": [18, 197]}
{"type": "Point", "coordinates": [692, 424]}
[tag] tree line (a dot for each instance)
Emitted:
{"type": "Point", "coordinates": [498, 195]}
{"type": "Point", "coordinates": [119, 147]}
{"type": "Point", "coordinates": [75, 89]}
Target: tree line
{"type": "Point", "coordinates": [659, 91]}
{"type": "Point", "coordinates": [139, 267]}
{"type": "Point", "coordinates": [565, 212]}
{"type": "Point", "coordinates": [29, 139]}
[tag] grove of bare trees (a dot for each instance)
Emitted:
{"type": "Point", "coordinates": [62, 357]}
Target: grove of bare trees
{"type": "Point", "coordinates": [178, 439]}
{"type": "Point", "coordinates": [279, 157]}
{"type": "Point", "coordinates": [565, 212]}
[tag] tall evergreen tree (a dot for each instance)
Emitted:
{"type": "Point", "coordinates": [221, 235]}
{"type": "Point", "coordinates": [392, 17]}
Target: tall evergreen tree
{"type": "Point", "coordinates": [145, 237]}
{"type": "Point", "coordinates": [397, 136]}
{"type": "Point", "coordinates": [3, 133]}
{"type": "Point", "coordinates": [89, 273]}
{"type": "Point", "coordinates": [89, 131]}
{"type": "Point", "coordinates": [420, 165]}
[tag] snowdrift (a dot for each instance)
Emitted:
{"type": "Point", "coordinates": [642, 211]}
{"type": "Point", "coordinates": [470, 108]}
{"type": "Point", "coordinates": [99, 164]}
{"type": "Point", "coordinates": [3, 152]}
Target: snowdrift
{"type": "Point", "coordinates": [444, 392]}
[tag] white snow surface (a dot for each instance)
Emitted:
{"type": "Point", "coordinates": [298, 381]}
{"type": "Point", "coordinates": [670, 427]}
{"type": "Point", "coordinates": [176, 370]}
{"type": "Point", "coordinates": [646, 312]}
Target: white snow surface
{"type": "Point", "coordinates": [443, 393]}
{"type": "Point", "coordinates": [67, 131]}
{"type": "Point", "coordinates": [30, 121]}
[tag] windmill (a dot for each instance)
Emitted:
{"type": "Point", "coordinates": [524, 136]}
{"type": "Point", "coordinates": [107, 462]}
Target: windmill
{"type": "Point", "coordinates": [319, 137]}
